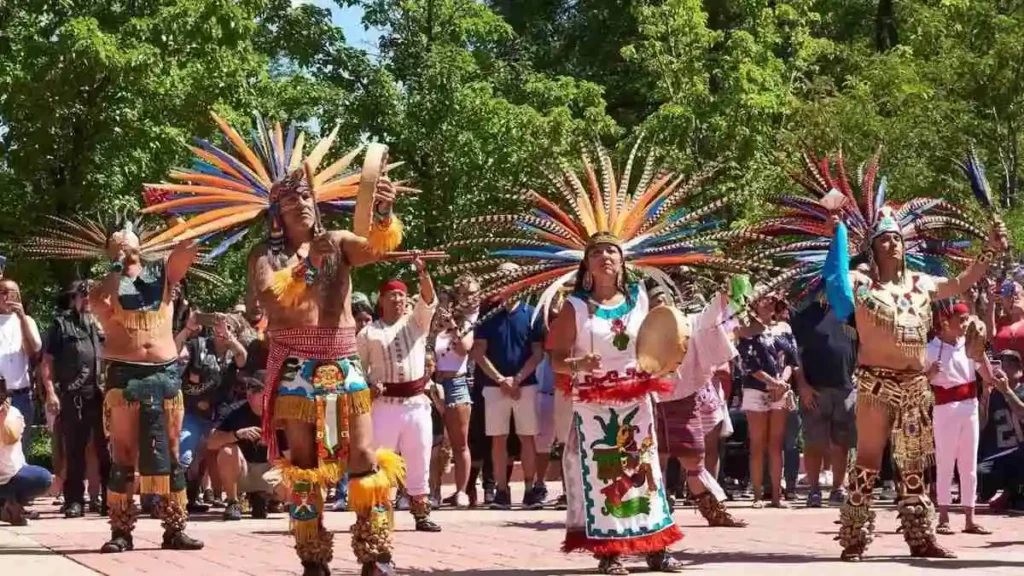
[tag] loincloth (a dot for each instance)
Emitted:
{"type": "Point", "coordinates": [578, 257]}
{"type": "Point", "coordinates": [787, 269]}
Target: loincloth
{"type": "Point", "coordinates": [907, 397]}
{"type": "Point", "coordinates": [152, 393]}
{"type": "Point", "coordinates": [683, 424]}
{"type": "Point", "coordinates": [315, 377]}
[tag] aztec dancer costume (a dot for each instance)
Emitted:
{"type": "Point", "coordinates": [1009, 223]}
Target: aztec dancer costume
{"type": "Point", "coordinates": [898, 320]}
{"type": "Point", "coordinates": [148, 392]}
{"type": "Point", "coordinates": [616, 498]}
{"type": "Point", "coordinates": [314, 368]}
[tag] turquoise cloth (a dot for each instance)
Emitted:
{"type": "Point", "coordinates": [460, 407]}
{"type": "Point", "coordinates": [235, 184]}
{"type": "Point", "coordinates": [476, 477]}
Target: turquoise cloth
{"type": "Point", "coordinates": [836, 274]}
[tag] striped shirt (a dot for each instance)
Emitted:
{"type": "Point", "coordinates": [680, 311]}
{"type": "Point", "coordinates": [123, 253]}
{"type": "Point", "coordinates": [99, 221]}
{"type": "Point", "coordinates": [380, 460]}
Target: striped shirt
{"type": "Point", "coordinates": [396, 353]}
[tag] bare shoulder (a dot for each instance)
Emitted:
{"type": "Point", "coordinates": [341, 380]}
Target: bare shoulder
{"type": "Point", "coordinates": [345, 237]}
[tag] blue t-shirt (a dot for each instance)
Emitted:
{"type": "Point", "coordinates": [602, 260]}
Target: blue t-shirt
{"type": "Point", "coordinates": [509, 337]}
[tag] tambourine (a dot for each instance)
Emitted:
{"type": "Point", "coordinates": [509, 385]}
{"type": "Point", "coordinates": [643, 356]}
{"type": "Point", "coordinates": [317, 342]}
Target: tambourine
{"type": "Point", "coordinates": [662, 340]}
{"type": "Point", "coordinates": [975, 338]}
{"type": "Point", "coordinates": [375, 161]}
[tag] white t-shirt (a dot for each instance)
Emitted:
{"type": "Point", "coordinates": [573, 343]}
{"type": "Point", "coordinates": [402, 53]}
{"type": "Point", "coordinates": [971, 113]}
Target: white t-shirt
{"type": "Point", "coordinates": [12, 457]}
{"type": "Point", "coordinates": [955, 368]}
{"type": "Point", "coordinates": [396, 352]}
{"type": "Point", "coordinates": [14, 364]}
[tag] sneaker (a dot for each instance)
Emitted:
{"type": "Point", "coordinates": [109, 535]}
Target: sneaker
{"type": "Point", "coordinates": [461, 500]}
{"type": "Point", "coordinates": [561, 503]}
{"type": "Point", "coordinates": [814, 499]}
{"type": "Point", "coordinates": [94, 505]}
{"type": "Point", "coordinates": [542, 493]}
{"type": "Point", "coordinates": [532, 500]}
{"type": "Point", "coordinates": [196, 507]}
{"type": "Point", "coordinates": [339, 505]}
{"type": "Point", "coordinates": [232, 511]}
{"type": "Point", "coordinates": [837, 497]}
{"type": "Point", "coordinates": [502, 500]}
{"type": "Point", "coordinates": [489, 495]}
{"type": "Point", "coordinates": [257, 506]}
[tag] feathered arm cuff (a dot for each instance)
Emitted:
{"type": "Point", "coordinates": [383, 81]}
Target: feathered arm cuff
{"type": "Point", "coordinates": [836, 274]}
{"type": "Point", "coordinates": [385, 232]}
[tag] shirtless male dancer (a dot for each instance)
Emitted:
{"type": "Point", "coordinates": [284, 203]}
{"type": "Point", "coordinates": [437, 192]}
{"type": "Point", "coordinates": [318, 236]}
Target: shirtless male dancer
{"type": "Point", "coordinates": [143, 406]}
{"type": "Point", "coordinates": [318, 394]}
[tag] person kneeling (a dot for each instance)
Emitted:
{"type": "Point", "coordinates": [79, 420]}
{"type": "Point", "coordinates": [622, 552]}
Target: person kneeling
{"type": "Point", "coordinates": [19, 482]}
{"type": "Point", "coordinates": [241, 455]}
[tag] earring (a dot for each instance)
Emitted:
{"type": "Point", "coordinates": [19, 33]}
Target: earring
{"type": "Point", "coordinates": [588, 281]}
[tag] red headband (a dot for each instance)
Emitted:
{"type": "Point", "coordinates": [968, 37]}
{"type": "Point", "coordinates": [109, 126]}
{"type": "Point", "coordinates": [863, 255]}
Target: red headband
{"type": "Point", "coordinates": [958, 309]}
{"type": "Point", "coordinates": [393, 285]}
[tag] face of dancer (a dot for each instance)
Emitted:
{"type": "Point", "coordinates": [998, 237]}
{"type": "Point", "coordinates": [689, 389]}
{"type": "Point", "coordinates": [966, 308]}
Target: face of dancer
{"type": "Point", "coordinates": [888, 248]}
{"type": "Point", "coordinates": [123, 247]}
{"type": "Point", "coordinates": [392, 305]}
{"type": "Point", "coordinates": [297, 209]}
{"type": "Point", "coordinates": [953, 326]}
{"type": "Point", "coordinates": [604, 262]}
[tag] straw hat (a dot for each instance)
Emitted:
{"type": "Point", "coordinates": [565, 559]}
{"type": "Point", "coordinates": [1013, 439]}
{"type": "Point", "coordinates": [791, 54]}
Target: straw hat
{"type": "Point", "coordinates": [662, 340]}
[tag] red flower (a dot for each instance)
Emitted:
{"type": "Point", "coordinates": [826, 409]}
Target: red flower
{"type": "Point", "coordinates": [618, 326]}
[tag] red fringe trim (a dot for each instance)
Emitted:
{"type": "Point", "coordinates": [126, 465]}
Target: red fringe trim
{"type": "Point", "coordinates": [577, 541]}
{"type": "Point", "coordinates": [624, 391]}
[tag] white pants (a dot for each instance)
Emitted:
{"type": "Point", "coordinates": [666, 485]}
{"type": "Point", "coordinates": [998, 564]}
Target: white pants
{"type": "Point", "coordinates": [500, 408]}
{"type": "Point", "coordinates": [956, 441]}
{"type": "Point", "coordinates": [406, 428]}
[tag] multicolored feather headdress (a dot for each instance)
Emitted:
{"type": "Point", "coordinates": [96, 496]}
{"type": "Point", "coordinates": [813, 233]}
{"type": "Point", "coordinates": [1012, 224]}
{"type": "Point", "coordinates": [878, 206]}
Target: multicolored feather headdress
{"type": "Point", "coordinates": [645, 213]}
{"type": "Point", "coordinates": [85, 238]}
{"type": "Point", "coordinates": [226, 192]}
{"type": "Point", "coordinates": [926, 224]}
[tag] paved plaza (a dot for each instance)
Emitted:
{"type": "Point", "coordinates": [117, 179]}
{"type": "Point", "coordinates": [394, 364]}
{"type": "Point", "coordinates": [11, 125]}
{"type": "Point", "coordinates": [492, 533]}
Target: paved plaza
{"type": "Point", "coordinates": [490, 543]}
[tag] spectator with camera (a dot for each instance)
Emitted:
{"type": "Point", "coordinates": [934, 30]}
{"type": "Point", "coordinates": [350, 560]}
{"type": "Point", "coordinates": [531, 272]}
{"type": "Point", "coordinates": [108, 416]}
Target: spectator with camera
{"type": "Point", "coordinates": [212, 353]}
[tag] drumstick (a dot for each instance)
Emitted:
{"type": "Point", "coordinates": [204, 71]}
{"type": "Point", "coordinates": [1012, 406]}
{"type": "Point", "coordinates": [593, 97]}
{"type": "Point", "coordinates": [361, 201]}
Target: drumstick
{"type": "Point", "coordinates": [410, 255]}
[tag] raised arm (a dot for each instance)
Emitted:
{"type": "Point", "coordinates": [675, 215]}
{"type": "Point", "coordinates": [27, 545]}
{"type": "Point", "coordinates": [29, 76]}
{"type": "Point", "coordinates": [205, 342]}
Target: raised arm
{"type": "Point", "coordinates": [997, 243]}
{"type": "Point", "coordinates": [180, 260]}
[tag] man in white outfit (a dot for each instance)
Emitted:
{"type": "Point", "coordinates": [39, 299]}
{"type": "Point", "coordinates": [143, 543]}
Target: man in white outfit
{"type": "Point", "coordinates": [19, 344]}
{"type": "Point", "coordinates": [393, 352]}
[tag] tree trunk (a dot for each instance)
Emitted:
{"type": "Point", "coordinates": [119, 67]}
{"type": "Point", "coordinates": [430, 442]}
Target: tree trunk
{"type": "Point", "coordinates": [886, 36]}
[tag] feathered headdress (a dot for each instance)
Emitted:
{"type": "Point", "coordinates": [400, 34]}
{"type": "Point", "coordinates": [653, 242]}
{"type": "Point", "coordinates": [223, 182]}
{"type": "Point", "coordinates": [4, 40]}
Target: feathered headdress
{"type": "Point", "coordinates": [924, 223]}
{"type": "Point", "coordinates": [227, 191]}
{"type": "Point", "coordinates": [645, 214]}
{"type": "Point", "coordinates": [85, 238]}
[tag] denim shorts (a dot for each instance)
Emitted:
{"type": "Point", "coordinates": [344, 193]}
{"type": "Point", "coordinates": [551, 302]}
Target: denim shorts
{"type": "Point", "coordinates": [456, 391]}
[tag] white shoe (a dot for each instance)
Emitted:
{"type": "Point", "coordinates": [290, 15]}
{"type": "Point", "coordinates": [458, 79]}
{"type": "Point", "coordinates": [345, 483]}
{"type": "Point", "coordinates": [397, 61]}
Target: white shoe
{"type": "Point", "coordinates": [461, 500]}
{"type": "Point", "coordinates": [339, 506]}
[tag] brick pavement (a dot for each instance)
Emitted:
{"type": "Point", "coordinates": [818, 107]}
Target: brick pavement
{"type": "Point", "coordinates": [488, 543]}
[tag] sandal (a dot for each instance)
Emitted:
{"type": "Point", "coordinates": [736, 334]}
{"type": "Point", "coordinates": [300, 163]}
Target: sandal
{"type": "Point", "coordinates": [662, 562]}
{"type": "Point", "coordinates": [932, 550]}
{"type": "Point", "coordinates": [611, 565]}
{"type": "Point", "coordinates": [977, 529]}
{"type": "Point", "coordinates": [944, 529]}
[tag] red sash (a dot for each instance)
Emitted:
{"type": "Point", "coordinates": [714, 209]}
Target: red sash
{"type": "Point", "coordinates": [955, 394]}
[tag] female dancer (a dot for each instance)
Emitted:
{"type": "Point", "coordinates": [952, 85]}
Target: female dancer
{"type": "Point", "coordinates": [616, 498]}
{"type": "Point", "coordinates": [769, 357]}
